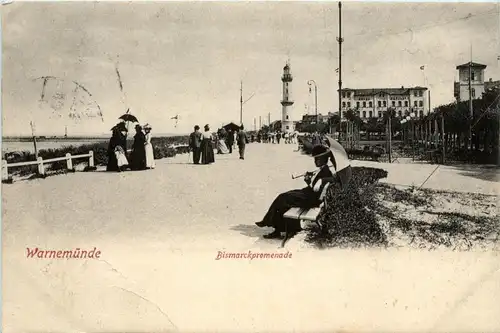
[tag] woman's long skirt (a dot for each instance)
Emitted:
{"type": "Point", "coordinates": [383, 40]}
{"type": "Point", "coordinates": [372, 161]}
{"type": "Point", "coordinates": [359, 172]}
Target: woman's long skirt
{"type": "Point", "coordinates": [222, 148]}
{"type": "Point", "coordinates": [138, 158]}
{"type": "Point", "coordinates": [150, 159]}
{"type": "Point", "coordinates": [207, 152]}
{"type": "Point", "coordinates": [304, 198]}
{"type": "Point", "coordinates": [112, 161]}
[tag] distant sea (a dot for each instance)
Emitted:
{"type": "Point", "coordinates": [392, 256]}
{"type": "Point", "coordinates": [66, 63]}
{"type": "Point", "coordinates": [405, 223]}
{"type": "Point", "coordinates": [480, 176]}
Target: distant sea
{"type": "Point", "coordinates": [10, 144]}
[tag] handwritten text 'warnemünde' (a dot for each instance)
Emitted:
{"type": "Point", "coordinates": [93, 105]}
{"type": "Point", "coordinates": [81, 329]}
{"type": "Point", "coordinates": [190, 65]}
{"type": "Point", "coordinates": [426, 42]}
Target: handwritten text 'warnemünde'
{"type": "Point", "coordinates": [63, 254]}
{"type": "Point", "coordinates": [250, 255]}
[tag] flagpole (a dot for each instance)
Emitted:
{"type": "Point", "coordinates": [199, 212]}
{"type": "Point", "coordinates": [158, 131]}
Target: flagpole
{"type": "Point", "coordinates": [340, 40]}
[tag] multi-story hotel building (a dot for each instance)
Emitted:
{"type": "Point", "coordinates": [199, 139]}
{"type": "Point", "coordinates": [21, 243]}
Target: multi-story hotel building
{"type": "Point", "coordinates": [368, 103]}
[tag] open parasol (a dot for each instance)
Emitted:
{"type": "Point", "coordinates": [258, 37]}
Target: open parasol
{"type": "Point", "coordinates": [129, 117]}
{"type": "Point", "coordinates": [343, 165]}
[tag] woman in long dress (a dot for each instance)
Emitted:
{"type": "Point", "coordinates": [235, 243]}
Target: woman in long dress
{"type": "Point", "coordinates": [150, 159]}
{"type": "Point", "coordinates": [207, 147]}
{"type": "Point", "coordinates": [221, 142]}
{"type": "Point", "coordinates": [117, 143]}
{"type": "Point", "coordinates": [138, 155]}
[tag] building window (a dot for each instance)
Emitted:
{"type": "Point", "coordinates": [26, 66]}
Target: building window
{"type": "Point", "coordinates": [364, 104]}
{"type": "Point", "coordinates": [406, 103]}
{"type": "Point", "coordinates": [380, 114]}
{"type": "Point", "coordinates": [400, 104]}
{"type": "Point", "coordinates": [473, 93]}
{"type": "Point", "coordinates": [348, 104]}
{"type": "Point", "coordinates": [393, 103]}
{"type": "Point", "coordinates": [370, 104]}
{"type": "Point", "coordinates": [415, 93]}
{"type": "Point", "coordinates": [420, 103]}
{"type": "Point", "coordinates": [421, 113]}
{"type": "Point", "coordinates": [364, 114]}
{"type": "Point", "coordinates": [370, 114]}
{"type": "Point", "coordinates": [420, 93]}
{"type": "Point", "coordinates": [357, 104]}
{"type": "Point", "coordinates": [385, 103]}
{"type": "Point", "coordinates": [415, 103]}
{"type": "Point", "coordinates": [400, 113]}
{"type": "Point", "coordinates": [286, 117]}
{"type": "Point", "coordinates": [379, 103]}
{"type": "Point", "coordinates": [472, 75]}
{"type": "Point", "coordinates": [343, 104]}
{"type": "Point", "coordinates": [288, 127]}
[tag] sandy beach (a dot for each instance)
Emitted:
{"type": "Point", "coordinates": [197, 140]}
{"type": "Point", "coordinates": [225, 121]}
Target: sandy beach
{"type": "Point", "coordinates": [160, 231]}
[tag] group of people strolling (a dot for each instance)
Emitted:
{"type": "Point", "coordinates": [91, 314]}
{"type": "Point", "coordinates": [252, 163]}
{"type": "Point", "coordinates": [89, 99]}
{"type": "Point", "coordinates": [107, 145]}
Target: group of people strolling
{"type": "Point", "coordinates": [141, 156]}
{"type": "Point", "coordinates": [276, 137]}
{"type": "Point", "coordinates": [203, 144]}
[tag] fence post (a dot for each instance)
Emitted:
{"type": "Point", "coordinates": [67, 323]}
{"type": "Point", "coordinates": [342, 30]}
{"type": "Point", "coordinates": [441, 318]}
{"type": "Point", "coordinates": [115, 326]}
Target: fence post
{"type": "Point", "coordinates": [5, 171]}
{"type": "Point", "coordinates": [91, 159]}
{"type": "Point", "coordinates": [69, 162]}
{"type": "Point", "coordinates": [41, 169]}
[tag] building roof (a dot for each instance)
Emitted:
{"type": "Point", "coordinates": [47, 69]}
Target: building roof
{"type": "Point", "coordinates": [388, 91]}
{"type": "Point", "coordinates": [472, 64]}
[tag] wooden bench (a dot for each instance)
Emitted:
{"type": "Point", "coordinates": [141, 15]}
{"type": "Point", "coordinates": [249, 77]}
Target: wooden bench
{"type": "Point", "coordinates": [305, 215]}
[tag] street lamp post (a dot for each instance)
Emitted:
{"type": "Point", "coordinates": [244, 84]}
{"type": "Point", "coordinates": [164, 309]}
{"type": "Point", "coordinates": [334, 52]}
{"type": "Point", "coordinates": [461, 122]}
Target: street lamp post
{"type": "Point", "coordinates": [411, 118]}
{"type": "Point", "coordinates": [315, 98]}
{"type": "Point", "coordinates": [403, 122]}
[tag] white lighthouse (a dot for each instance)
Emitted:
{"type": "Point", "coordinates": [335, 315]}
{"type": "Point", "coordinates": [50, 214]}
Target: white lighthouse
{"type": "Point", "coordinates": [287, 102]}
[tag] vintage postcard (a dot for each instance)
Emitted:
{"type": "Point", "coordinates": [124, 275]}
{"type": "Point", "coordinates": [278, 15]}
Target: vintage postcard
{"type": "Point", "coordinates": [250, 166]}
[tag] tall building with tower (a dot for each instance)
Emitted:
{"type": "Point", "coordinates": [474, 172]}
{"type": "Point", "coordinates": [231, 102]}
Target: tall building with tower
{"type": "Point", "coordinates": [287, 101]}
{"type": "Point", "coordinates": [476, 81]}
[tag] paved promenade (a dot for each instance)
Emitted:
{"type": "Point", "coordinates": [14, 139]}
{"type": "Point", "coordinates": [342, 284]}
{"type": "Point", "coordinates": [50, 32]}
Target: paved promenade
{"type": "Point", "coordinates": [160, 231]}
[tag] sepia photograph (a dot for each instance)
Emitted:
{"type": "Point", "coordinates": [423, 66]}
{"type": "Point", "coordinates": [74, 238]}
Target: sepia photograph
{"type": "Point", "coordinates": [250, 166]}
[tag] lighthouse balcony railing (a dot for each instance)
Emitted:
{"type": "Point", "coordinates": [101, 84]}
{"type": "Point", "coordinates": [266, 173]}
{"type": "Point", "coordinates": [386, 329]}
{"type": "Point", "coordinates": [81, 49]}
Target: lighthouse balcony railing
{"type": "Point", "coordinates": [287, 77]}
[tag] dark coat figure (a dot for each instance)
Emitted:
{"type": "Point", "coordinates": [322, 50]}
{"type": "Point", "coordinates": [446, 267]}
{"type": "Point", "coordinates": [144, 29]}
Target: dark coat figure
{"type": "Point", "coordinates": [242, 140]}
{"type": "Point", "coordinates": [195, 139]}
{"type": "Point", "coordinates": [230, 141]}
{"type": "Point", "coordinates": [117, 140]}
{"type": "Point", "coordinates": [138, 155]}
{"type": "Point", "coordinates": [307, 197]}
{"type": "Point", "coordinates": [207, 147]}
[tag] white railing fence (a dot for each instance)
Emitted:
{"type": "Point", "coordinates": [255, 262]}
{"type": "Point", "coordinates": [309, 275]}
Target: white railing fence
{"type": "Point", "coordinates": [40, 162]}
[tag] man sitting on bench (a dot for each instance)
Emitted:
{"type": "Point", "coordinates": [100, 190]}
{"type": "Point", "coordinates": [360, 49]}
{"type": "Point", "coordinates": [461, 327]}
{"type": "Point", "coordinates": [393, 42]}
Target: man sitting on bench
{"type": "Point", "coordinates": [307, 197]}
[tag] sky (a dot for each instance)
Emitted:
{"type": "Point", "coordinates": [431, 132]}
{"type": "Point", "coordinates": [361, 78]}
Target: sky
{"type": "Point", "coordinates": [189, 58]}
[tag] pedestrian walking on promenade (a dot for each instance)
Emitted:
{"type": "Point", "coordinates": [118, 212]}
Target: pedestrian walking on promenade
{"type": "Point", "coordinates": [195, 139]}
{"type": "Point", "coordinates": [242, 140]}
{"type": "Point", "coordinates": [207, 147]}
{"type": "Point", "coordinates": [138, 155]}
{"type": "Point", "coordinates": [150, 159]}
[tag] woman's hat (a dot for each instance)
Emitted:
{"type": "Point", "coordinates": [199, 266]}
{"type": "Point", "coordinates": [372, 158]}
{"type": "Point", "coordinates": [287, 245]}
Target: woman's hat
{"type": "Point", "coordinates": [120, 127]}
{"type": "Point", "coordinates": [147, 126]}
{"type": "Point", "coordinates": [320, 150]}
